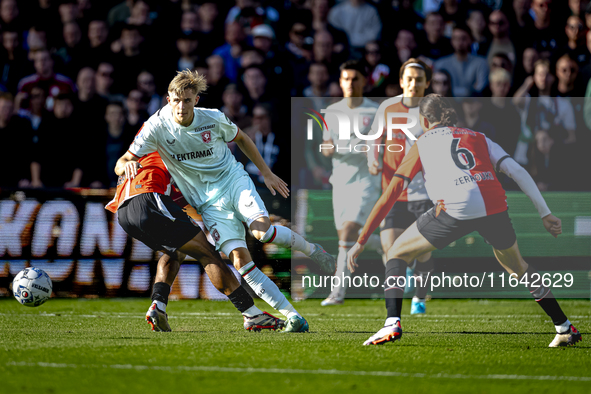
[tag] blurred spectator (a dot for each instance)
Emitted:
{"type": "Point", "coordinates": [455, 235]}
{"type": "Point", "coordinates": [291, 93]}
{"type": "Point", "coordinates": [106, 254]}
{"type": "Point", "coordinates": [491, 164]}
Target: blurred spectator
{"type": "Point", "coordinates": [588, 16]}
{"type": "Point", "coordinates": [406, 45]}
{"type": "Point", "coordinates": [187, 45]}
{"type": "Point", "coordinates": [130, 60]}
{"type": "Point", "coordinates": [120, 12]}
{"type": "Point", "coordinates": [89, 107]}
{"type": "Point", "coordinates": [566, 74]}
{"type": "Point", "coordinates": [501, 113]}
{"type": "Point", "coordinates": [576, 44]}
{"type": "Point", "coordinates": [10, 17]}
{"type": "Point", "coordinates": [234, 107]}
{"type": "Point", "coordinates": [251, 13]}
{"type": "Point", "coordinates": [358, 19]}
{"type": "Point", "coordinates": [320, 10]}
{"type": "Point", "coordinates": [45, 78]}
{"type": "Point", "coordinates": [48, 168]}
{"type": "Point", "coordinates": [318, 77]}
{"type": "Point", "coordinates": [252, 56]}
{"type": "Point", "coordinates": [433, 44]}
{"type": "Point", "coordinates": [99, 49]}
{"type": "Point", "coordinates": [16, 135]}
{"type": "Point", "coordinates": [216, 82]}
{"type": "Point", "coordinates": [255, 82]}
{"type": "Point", "coordinates": [68, 10]}
{"type": "Point", "coordinates": [300, 43]}
{"type": "Point", "coordinates": [544, 32]}
{"type": "Point", "coordinates": [104, 82]}
{"type": "Point", "coordinates": [13, 61]}
{"type": "Point", "coordinates": [477, 24]}
{"type": "Point", "coordinates": [469, 72]}
{"type": "Point", "coordinates": [501, 41]}
{"type": "Point", "coordinates": [452, 16]}
{"type": "Point", "coordinates": [519, 18]}
{"type": "Point", "coordinates": [398, 15]}
{"type": "Point", "coordinates": [147, 86]}
{"type": "Point", "coordinates": [140, 14]}
{"type": "Point", "coordinates": [136, 109]}
{"type": "Point", "coordinates": [441, 83]}
{"type": "Point", "coordinates": [322, 52]}
{"type": "Point", "coordinates": [35, 108]}
{"type": "Point", "coordinates": [36, 40]}
{"type": "Point", "coordinates": [72, 53]}
{"type": "Point", "coordinates": [118, 137]}
{"type": "Point", "coordinates": [211, 32]}
{"type": "Point", "coordinates": [377, 72]}
{"type": "Point", "coordinates": [577, 7]}
{"type": "Point", "coordinates": [525, 67]}
{"type": "Point", "coordinates": [266, 142]}
{"type": "Point", "coordinates": [231, 51]}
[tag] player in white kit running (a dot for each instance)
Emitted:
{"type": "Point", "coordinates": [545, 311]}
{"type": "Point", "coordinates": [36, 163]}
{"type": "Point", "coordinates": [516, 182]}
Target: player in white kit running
{"type": "Point", "coordinates": [355, 191]}
{"type": "Point", "coordinates": [192, 143]}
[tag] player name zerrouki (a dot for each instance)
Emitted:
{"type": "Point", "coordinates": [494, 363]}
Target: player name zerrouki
{"type": "Point", "coordinates": [362, 148]}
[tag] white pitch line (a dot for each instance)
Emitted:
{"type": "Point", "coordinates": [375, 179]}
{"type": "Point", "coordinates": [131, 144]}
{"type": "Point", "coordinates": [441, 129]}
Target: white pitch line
{"type": "Point", "coordinates": [201, 368]}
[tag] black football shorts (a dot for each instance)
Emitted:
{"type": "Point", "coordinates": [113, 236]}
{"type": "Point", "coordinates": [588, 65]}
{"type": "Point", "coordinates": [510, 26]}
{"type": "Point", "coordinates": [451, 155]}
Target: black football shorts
{"type": "Point", "coordinates": [157, 221]}
{"type": "Point", "coordinates": [405, 213]}
{"type": "Point", "coordinates": [442, 229]}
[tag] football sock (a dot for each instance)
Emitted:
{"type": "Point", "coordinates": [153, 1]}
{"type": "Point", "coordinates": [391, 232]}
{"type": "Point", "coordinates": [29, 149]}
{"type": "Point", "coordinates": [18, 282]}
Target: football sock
{"type": "Point", "coordinates": [391, 321]}
{"type": "Point", "coordinates": [423, 272]}
{"type": "Point", "coordinates": [342, 271]}
{"type": "Point", "coordinates": [564, 327]}
{"type": "Point", "coordinates": [244, 302]}
{"type": "Point", "coordinates": [267, 290]}
{"type": "Point", "coordinates": [160, 293]}
{"type": "Point", "coordinates": [395, 269]}
{"type": "Point", "coordinates": [283, 236]}
{"type": "Point", "coordinates": [544, 297]}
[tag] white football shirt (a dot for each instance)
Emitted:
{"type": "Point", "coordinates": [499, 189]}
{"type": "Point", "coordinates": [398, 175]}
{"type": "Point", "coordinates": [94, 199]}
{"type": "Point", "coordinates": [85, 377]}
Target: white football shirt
{"type": "Point", "coordinates": [196, 156]}
{"type": "Point", "coordinates": [349, 162]}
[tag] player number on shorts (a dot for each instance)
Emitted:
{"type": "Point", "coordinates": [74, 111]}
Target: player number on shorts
{"type": "Point", "coordinates": [463, 158]}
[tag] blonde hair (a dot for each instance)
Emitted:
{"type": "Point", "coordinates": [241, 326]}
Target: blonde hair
{"type": "Point", "coordinates": [187, 79]}
{"type": "Point", "coordinates": [499, 74]}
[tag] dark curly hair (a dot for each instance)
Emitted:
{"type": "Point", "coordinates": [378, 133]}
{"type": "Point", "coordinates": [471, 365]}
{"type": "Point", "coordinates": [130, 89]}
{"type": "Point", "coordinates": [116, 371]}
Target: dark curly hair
{"type": "Point", "coordinates": [438, 109]}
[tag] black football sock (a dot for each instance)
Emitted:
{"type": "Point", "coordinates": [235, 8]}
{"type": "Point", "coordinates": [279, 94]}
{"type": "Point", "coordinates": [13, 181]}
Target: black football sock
{"type": "Point", "coordinates": [241, 299]}
{"type": "Point", "coordinates": [395, 269]}
{"type": "Point", "coordinates": [423, 271]}
{"type": "Point", "coordinates": [160, 292]}
{"type": "Point", "coordinates": [544, 297]}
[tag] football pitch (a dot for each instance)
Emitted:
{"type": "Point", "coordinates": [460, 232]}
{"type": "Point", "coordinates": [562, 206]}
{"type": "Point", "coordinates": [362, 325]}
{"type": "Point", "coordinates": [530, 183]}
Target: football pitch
{"type": "Point", "coordinates": [105, 346]}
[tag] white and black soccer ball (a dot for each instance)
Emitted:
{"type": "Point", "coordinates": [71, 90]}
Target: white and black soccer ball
{"type": "Point", "coordinates": [32, 286]}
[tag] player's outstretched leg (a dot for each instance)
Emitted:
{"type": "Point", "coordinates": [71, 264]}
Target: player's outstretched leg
{"type": "Point", "coordinates": [285, 237]}
{"type": "Point", "coordinates": [511, 260]}
{"type": "Point", "coordinates": [267, 289]}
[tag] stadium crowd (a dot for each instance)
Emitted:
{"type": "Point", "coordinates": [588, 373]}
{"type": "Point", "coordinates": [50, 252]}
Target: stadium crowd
{"type": "Point", "coordinates": [79, 77]}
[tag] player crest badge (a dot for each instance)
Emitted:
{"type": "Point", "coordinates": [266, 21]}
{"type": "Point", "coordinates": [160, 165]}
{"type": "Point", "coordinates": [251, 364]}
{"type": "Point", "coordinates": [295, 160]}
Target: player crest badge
{"type": "Point", "coordinates": [206, 136]}
{"type": "Point", "coordinates": [215, 235]}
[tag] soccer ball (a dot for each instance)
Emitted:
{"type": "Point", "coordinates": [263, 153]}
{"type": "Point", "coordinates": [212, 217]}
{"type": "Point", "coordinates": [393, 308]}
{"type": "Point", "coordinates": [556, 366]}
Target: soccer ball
{"type": "Point", "coordinates": [32, 287]}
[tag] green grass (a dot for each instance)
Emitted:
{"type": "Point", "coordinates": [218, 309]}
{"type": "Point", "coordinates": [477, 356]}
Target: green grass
{"type": "Point", "coordinates": [472, 346]}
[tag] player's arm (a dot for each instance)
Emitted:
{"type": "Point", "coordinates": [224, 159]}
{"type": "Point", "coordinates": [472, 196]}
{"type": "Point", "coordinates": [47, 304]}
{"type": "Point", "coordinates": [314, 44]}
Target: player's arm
{"type": "Point", "coordinates": [510, 167]}
{"type": "Point", "coordinates": [127, 165]}
{"type": "Point", "coordinates": [409, 167]}
{"type": "Point", "coordinates": [272, 181]}
{"type": "Point", "coordinates": [327, 148]}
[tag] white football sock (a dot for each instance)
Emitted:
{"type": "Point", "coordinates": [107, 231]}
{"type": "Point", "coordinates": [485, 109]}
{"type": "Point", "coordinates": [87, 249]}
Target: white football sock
{"type": "Point", "coordinates": [564, 327]}
{"type": "Point", "coordinates": [391, 321]}
{"type": "Point", "coordinates": [267, 290]}
{"type": "Point", "coordinates": [283, 236]}
{"type": "Point", "coordinates": [160, 305]}
{"type": "Point", "coordinates": [252, 311]}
